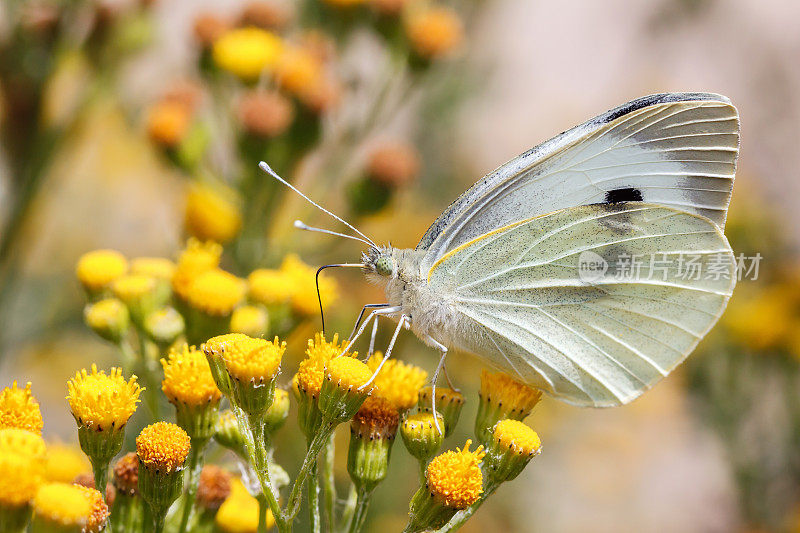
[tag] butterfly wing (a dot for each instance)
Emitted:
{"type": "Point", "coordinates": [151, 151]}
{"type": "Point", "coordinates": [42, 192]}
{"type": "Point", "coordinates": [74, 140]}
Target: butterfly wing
{"type": "Point", "coordinates": [601, 338]}
{"type": "Point", "coordinates": [676, 149]}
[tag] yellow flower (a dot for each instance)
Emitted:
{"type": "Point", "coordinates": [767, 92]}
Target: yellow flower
{"type": "Point", "coordinates": [65, 463]}
{"type": "Point", "coordinates": [251, 320]}
{"type": "Point", "coordinates": [247, 52]}
{"type": "Point", "coordinates": [502, 397]}
{"type": "Point", "coordinates": [102, 401]}
{"type": "Point", "coordinates": [239, 512]}
{"type": "Point", "coordinates": [311, 373]}
{"type": "Point", "coordinates": [97, 269]}
{"type": "Point", "coordinates": [398, 382]}
{"type": "Point", "coordinates": [434, 31]}
{"type": "Point", "coordinates": [297, 70]}
{"type": "Point", "coordinates": [20, 478]}
{"type": "Point", "coordinates": [163, 446]}
{"type": "Point", "coordinates": [19, 409]}
{"type": "Point", "coordinates": [215, 292]}
{"type": "Point", "coordinates": [347, 372]}
{"type": "Point", "coordinates": [500, 389]}
{"type": "Point", "coordinates": [60, 504]}
{"type": "Point", "coordinates": [455, 479]}
{"type": "Point", "coordinates": [196, 258]}
{"type": "Point", "coordinates": [168, 122]}
{"type": "Point", "coordinates": [257, 366]}
{"type": "Point", "coordinates": [212, 213]}
{"type": "Point", "coordinates": [132, 287]}
{"type": "Point", "coordinates": [22, 466]}
{"type": "Point", "coordinates": [303, 281]}
{"type": "Point", "coordinates": [270, 287]}
{"type": "Point", "coordinates": [235, 345]}
{"type": "Point", "coordinates": [218, 348]}
{"type": "Point", "coordinates": [345, 388]}
{"type": "Point", "coordinates": [515, 436]}
{"type": "Point", "coordinates": [187, 378]}
{"type": "Point", "coordinates": [157, 267]}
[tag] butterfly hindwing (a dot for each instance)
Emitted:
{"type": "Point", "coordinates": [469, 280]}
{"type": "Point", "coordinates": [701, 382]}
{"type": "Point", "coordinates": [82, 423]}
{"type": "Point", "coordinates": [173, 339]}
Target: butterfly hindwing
{"type": "Point", "coordinates": [596, 337]}
{"type": "Point", "coordinates": [676, 149]}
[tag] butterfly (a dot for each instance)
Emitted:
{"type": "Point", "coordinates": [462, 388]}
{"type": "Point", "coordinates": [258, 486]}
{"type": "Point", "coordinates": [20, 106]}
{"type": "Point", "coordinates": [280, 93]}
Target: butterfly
{"type": "Point", "coordinates": [590, 266]}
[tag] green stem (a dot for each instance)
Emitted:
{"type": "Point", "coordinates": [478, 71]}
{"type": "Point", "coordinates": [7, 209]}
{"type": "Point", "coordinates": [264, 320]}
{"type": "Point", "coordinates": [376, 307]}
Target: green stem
{"type": "Point", "coordinates": [362, 503]}
{"type": "Point", "coordinates": [128, 357]}
{"type": "Point", "coordinates": [313, 500]}
{"type": "Point", "coordinates": [257, 449]}
{"type": "Point", "coordinates": [149, 376]}
{"type": "Point", "coordinates": [329, 483]}
{"type": "Point", "coordinates": [423, 465]}
{"type": "Point", "coordinates": [158, 522]}
{"type": "Point", "coordinates": [100, 470]}
{"type": "Point", "coordinates": [263, 506]}
{"type": "Point", "coordinates": [192, 476]}
{"type": "Point", "coordinates": [349, 508]}
{"type": "Point", "coordinates": [314, 449]}
{"type": "Point", "coordinates": [461, 517]}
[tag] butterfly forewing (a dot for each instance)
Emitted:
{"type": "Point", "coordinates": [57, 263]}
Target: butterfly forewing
{"type": "Point", "coordinates": [676, 150]}
{"type": "Point", "coordinates": [657, 280]}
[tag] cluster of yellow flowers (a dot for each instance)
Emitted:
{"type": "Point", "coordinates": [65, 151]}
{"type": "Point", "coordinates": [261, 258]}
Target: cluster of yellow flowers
{"type": "Point", "coordinates": [194, 297]}
{"type": "Point", "coordinates": [331, 387]}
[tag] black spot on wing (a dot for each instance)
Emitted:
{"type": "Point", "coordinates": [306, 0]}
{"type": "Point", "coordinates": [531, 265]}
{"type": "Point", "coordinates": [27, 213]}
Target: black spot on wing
{"type": "Point", "coordinates": [626, 194]}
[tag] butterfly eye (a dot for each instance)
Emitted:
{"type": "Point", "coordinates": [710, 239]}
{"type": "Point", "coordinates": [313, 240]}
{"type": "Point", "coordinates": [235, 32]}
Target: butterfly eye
{"type": "Point", "coordinates": [384, 265]}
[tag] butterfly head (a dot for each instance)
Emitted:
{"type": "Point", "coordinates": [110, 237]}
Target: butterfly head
{"type": "Point", "coordinates": [380, 261]}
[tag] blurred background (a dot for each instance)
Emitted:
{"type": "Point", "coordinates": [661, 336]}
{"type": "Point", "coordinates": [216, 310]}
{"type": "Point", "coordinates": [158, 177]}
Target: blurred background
{"type": "Point", "coordinates": [134, 124]}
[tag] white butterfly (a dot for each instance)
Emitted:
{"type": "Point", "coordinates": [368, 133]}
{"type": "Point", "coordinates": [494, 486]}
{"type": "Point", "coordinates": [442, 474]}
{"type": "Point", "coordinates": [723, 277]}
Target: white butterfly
{"type": "Point", "coordinates": [499, 273]}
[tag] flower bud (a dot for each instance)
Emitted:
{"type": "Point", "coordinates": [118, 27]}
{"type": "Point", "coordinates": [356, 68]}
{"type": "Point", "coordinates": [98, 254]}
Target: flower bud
{"type": "Point", "coordinates": [372, 434]}
{"type": "Point", "coordinates": [138, 292]}
{"type": "Point", "coordinates": [448, 403]}
{"type": "Point", "coordinates": [164, 326]}
{"type": "Point", "coordinates": [109, 318]}
{"type": "Point", "coordinates": [251, 320]}
{"type": "Point", "coordinates": [420, 435]}
{"type": "Point", "coordinates": [228, 434]}
{"type": "Point", "coordinates": [278, 411]}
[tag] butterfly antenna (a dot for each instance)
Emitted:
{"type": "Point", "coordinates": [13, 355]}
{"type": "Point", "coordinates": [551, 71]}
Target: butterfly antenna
{"type": "Point", "coordinates": [319, 296]}
{"type": "Point", "coordinates": [266, 168]}
{"type": "Point", "coordinates": [299, 224]}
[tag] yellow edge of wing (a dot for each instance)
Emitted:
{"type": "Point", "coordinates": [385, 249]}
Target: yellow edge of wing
{"type": "Point", "coordinates": [479, 238]}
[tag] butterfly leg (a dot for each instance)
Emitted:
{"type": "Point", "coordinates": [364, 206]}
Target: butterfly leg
{"type": "Point", "coordinates": [372, 339]}
{"type": "Point", "coordinates": [447, 378]}
{"type": "Point", "coordinates": [372, 315]}
{"type": "Point", "coordinates": [361, 315]}
{"type": "Point", "coordinates": [400, 324]}
{"type": "Point", "coordinates": [442, 348]}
